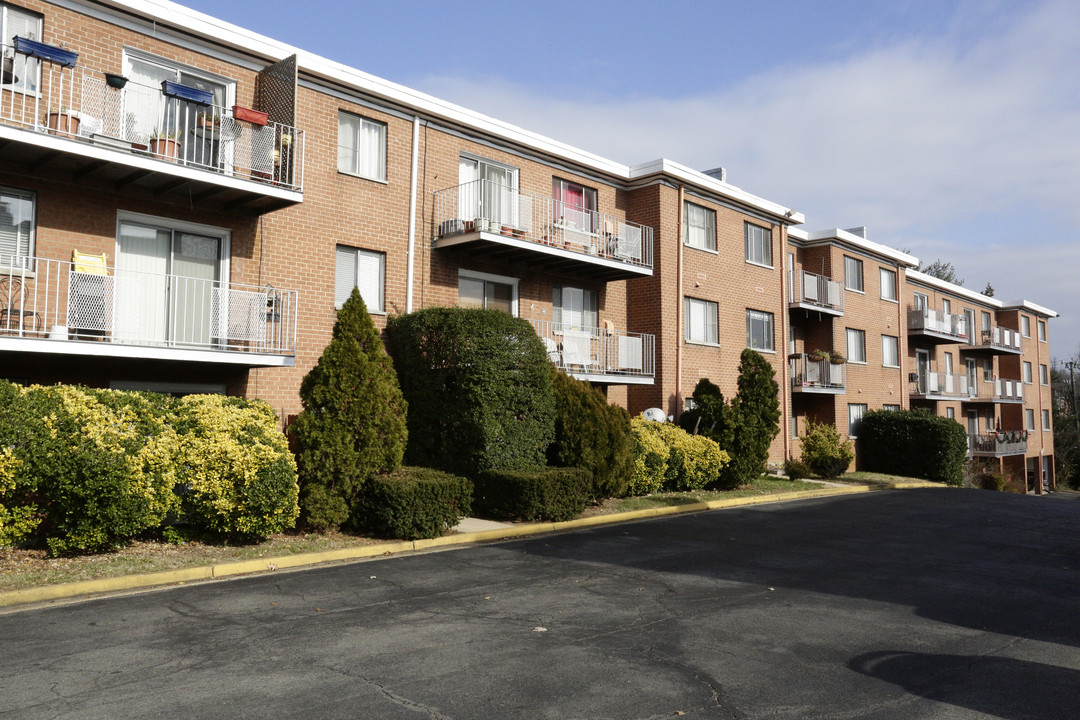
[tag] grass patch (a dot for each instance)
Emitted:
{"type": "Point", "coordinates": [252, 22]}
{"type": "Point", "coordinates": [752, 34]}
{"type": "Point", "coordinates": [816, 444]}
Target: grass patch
{"type": "Point", "coordinates": [764, 485]}
{"type": "Point", "coordinates": [872, 478]}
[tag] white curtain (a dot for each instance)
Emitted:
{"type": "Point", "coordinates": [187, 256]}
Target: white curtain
{"type": "Point", "coordinates": [141, 270]}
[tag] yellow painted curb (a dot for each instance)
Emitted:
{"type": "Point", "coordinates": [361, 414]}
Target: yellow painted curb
{"type": "Point", "coordinates": [91, 587]}
{"type": "Point", "coordinates": [245, 567]}
{"type": "Point", "coordinates": [467, 538]}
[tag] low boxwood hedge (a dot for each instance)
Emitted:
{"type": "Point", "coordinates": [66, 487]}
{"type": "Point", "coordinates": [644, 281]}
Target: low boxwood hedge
{"type": "Point", "coordinates": [553, 494]}
{"type": "Point", "coordinates": [413, 503]}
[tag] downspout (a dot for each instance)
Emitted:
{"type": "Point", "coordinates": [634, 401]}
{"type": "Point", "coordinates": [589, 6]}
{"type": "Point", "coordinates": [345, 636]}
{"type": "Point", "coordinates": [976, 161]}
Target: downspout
{"type": "Point", "coordinates": [902, 338]}
{"type": "Point", "coordinates": [785, 338]}
{"type": "Point", "coordinates": [412, 214]}
{"type": "Point", "coordinates": [679, 329]}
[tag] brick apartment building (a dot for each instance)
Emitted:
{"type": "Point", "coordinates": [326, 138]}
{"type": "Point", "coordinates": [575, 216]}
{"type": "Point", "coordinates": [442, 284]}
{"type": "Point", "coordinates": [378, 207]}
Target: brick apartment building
{"type": "Point", "coordinates": [184, 204]}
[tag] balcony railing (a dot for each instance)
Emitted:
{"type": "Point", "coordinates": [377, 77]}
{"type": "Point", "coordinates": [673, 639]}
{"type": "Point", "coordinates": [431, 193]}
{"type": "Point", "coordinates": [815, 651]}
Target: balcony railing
{"type": "Point", "coordinates": [937, 323]}
{"type": "Point", "coordinates": [152, 120]}
{"type": "Point", "coordinates": [807, 288]}
{"type": "Point", "coordinates": [53, 300]}
{"type": "Point", "coordinates": [998, 444]}
{"type": "Point", "coordinates": [996, 339]}
{"type": "Point", "coordinates": [1008, 390]}
{"type": "Point", "coordinates": [809, 375]}
{"type": "Point", "coordinates": [485, 206]}
{"type": "Point", "coordinates": [597, 351]}
{"type": "Point", "coordinates": [940, 384]}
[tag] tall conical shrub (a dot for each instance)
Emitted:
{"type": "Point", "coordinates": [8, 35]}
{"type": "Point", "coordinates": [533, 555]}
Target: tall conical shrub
{"type": "Point", "coordinates": [353, 422]}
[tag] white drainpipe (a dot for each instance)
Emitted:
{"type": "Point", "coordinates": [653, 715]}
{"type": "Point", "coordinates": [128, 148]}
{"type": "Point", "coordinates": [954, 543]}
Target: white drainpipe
{"type": "Point", "coordinates": [412, 214]}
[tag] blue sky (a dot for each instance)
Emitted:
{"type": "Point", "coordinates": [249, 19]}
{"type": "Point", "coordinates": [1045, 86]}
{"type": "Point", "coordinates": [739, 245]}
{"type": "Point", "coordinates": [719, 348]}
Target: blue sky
{"type": "Point", "coordinates": [950, 128]}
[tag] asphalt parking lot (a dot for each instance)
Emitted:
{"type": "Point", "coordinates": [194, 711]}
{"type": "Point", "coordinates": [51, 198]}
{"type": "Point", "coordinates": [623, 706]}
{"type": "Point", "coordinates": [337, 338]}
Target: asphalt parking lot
{"type": "Point", "coordinates": [906, 604]}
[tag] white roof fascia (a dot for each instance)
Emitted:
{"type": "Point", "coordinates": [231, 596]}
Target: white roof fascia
{"type": "Point", "coordinates": [708, 182]}
{"type": "Point", "coordinates": [952, 288]}
{"type": "Point", "coordinates": [821, 237]}
{"type": "Point", "coordinates": [1028, 305]}
{"type": "Point", "coordinates": [798, 234]}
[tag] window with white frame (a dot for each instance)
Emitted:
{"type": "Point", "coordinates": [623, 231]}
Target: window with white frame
{"type": "Point", "coordinates": [946, 306]}
{"type": "Point", "coordinates": [701, 321]}
{"type": "Point", "coordinates": [988, 369]}
{"type": "Point", "coordinates": [987, 322]}
{"type": "Point", "coordinates": [1029, 419]}
{"type": "Point", "coordinates": [361, 146]}
{"type": "Point", "coordinates": [990, 423]}
{"type": "Point", "coordinates": [488, 193]}
{"type": "Point", "coordinates": [700, 226]}
{"type": "Point", "coordinates": [364, 270]}
{"type": "Point", "coordinates": [1027, 373]}
{"type": "Point", "coordinates": [1046, 419]}
{"type": "Point", "coordinates": [1042, 331]}
{"type": "Point", "coordinates": [894, 408]}
{"type": "Point", "coordinates": [575, 205]}
{"type": "Point", "coordinates": [853, 279]}
{"type": "Point", "coordinates": [890, 351]}
{"type": "Point", "coordinates": [888, 284]}
{"type": "Point", "coordinates": [1044, 375]}
{"type": "Point", "coordinates": [758, 245]}
{"type": "Point", "coordinates": [759, 330]}
{"type": "Point", "coordinates": [1025, 326]}
{"type": "Point", "coordinates": [921, 300]}
{"type": "Point", "coordinates": [950, 413]}
{"type": "Point", "coordinates": [16, 228]}
{"type": "Point", "coordinates": [573, 309]}
{"type": "Point", "coordinates": [856, 345]}
{"type": "Point", "coordinates": [24, 72]}
{"type": "Point", "coordinates": [483, 290]}
{"type": "Point", "coordinates": [855, 413]}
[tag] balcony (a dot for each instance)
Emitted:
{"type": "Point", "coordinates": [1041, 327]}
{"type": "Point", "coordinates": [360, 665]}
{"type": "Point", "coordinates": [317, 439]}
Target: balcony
{"type": "Point", "coordinates": [505, 223]}
{"type": "Point", "coordinates": [599, 355]}
{"type": "Point", "coordinates": [809, 291]}
{"type": "Point", "coordinates": [166, 141]}
{"type": "Point", "coordinates": [939, 386]}
{"type": "Point", "coordinates": [1001, 391]}
{"type": "Point", "coordinates": [63, 308]}
{"type": "Point", "coordinates": [936, 326]}
{"type": "Point", "coordinates": [999, 444]}
{"type": "Point", "coordinates": [995, 341]}
{"type": "Point", "coordinates": [816, 376]}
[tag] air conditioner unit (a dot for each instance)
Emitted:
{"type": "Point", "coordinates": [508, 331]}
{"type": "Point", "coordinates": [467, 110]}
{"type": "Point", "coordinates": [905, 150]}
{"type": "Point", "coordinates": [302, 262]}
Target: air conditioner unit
{"type": "Point", "coordinates": [913, 377]}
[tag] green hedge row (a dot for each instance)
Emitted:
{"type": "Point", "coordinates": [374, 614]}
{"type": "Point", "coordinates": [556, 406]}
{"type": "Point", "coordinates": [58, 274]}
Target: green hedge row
{"type": "Point", "coordinates": [915, 443]}
{"type": "Point", "coordinates": [413, 503]}
{"type": "Point", "coordinates": [553, 494]}
{"type": "Point", "coordinates": [87, 470]}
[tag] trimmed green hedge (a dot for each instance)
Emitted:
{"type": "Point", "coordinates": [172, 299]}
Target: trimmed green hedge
{"type": "Point", "coordinates": [413, 503]}
{"type": "Point", "coordinates": [478, 385]}
{"type": "Point", "coordinates": [553, 494]}
{"type": "Point", "coordinates": [915, 443]}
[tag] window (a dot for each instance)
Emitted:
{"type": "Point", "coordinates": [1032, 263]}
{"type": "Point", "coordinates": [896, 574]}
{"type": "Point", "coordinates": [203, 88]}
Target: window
{"type": "Point", "coordinates": [758, 245]}
{"type": "Point", "coordinates": [361, 146]}
{"type": "Point", "coordinates": [948, 364]}
{"type": "Point", "coordinates": [853, 274]}
{"type": "Point", "coordinates": [888, 284]}
{"type": "Point", "coordinates": [700, 226]}
{"type": "Point", "coordinates": [487, 192]}
{"type": "Point", "coordinates": [890, 351]}
{"type": "Point", "coordinates": [1046, 419]}
{"type": "Point", "coordinates": [855, 412]}
{"type": "Point", "coordinates": [16, 21]}
{"type": "Point", "coordinates": [482, 290]}
{"type": "Point", "coordinates": [1027, 373]}
{"type": "Point", "coordinates": [759, 330]}
{"type": "Point", "coordinates": [701, 321]}
{"type": "Point", "coordinates": [856, 345]}
{"type": "Point", "coordinates": [894, 408]}
{"type": "Point", "coordinates": [16, 228]}
{"type": "Point", "coordinates": [990, 423]}
{"type": "Point", "coordinates": [575, 204]}
{"type": "Point", "coordinates": [1029, 419]}
{"type": "Point", "coordinates": [987, 323]}
{"type": "Point", "coordinates": [946, 306]}
{"type": "Point", "coordinates": [922, 301]}
{"type": "Point", "coordinates": [361, 269]}
{"type": "Point", "coordinates": [988, 369]}
{"type": "Point", "coordinates": [573, 309]}
{"type": "Point", "coordinates": [969, 324]}
{"type": "Point", "coordinates": [1044, 375]}
{"type": "Point", "coordinates": [794, 426]}
{"type": "Point", "coordinates": [1042, 331]}
{"type": "Point", "coordinates": [950, 413]}
{"type": "Point", "coordinates": [1025, 326]}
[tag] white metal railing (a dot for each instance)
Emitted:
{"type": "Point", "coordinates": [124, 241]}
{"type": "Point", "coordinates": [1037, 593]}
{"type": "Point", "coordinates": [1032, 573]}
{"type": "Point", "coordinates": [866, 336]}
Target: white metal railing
{"type": "Point", "coordinates": [809, 373]}
{"type": "Point", "coordinates": [77, 103]}
{"type": "Point", "coordinates": [936, 321]}
{"type": "Point", "coordinates": [52, 300]}
{"type": "Point", "coordinates": [485, 206]}
{"type": "Point", "coordinates": [1000, 443]}
{"type": "Point", "coordinates": [812, 289]}
{"type": "Point", "coordinates": [941, 383]}
{"type": "Point", "coordinates": [597, 351]}
{"type": "Point", "coordinates": [998, 338]}
{"type": "Point", "coordinates": [1008, 390]}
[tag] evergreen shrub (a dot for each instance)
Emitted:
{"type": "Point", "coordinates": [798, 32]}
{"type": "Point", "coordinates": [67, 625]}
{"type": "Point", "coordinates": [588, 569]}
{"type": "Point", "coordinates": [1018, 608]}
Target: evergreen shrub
{"type": "Point", "coordinates": [913, 443]}
{"type": "Point", "coordinates": [353, 423]}
{"type": "Point", "coordinates": [413, 503]}
{"type": "Point", "coordinates": [823, 452]}
{"type": "Point", "coordinates": [478, 384]}
{"type": "Point", "coordinates": [669, 458]}
{"type": "Point", "coordinates": [592, 434]}
{"type": "Point", "coordinates": [552, 494]}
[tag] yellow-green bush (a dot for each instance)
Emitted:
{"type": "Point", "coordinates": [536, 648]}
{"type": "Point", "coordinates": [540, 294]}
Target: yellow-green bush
{"type": "Point", "coordinates": [666, 457]}
{"type": "Point", "coordinates": [16, 522]}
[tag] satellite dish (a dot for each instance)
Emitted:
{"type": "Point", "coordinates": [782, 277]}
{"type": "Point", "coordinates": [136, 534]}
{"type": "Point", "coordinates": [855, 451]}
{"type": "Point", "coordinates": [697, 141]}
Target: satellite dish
{"type": "Point", "coordinates": [655, 414]}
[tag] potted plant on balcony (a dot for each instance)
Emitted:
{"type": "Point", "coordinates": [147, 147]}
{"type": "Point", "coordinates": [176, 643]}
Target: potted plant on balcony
{"type": "Point", "coordinates": [165, 145]}
{"type": "Point", "coordinates": [62, 122]}
{"type": "Point", "coordinates": [837, 359]}
{"type": "Point", "coordinates": [818, 356]}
